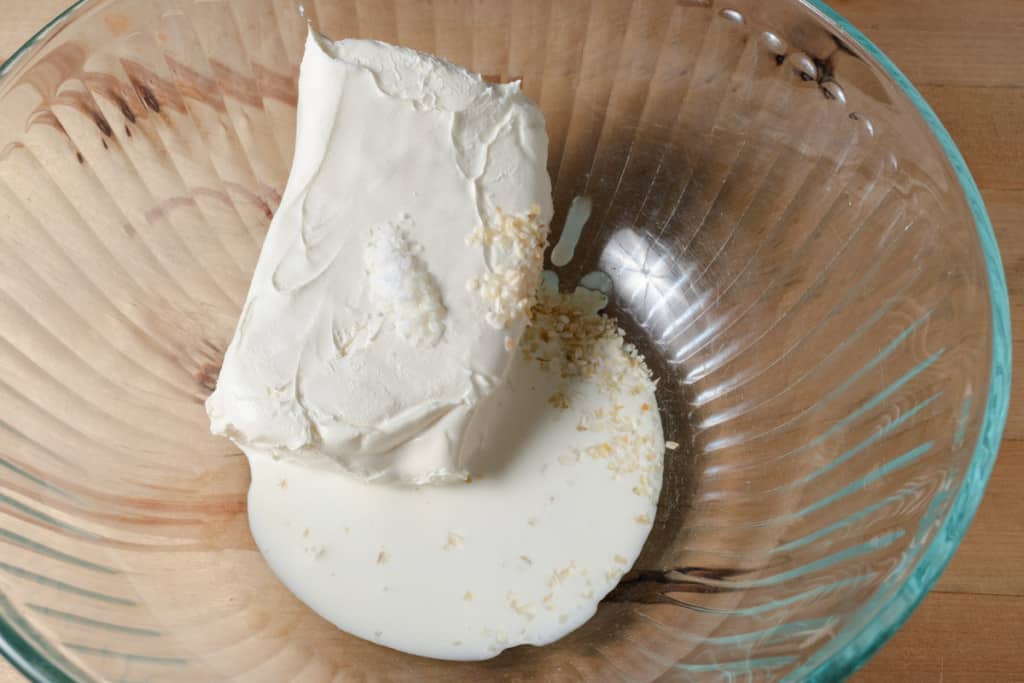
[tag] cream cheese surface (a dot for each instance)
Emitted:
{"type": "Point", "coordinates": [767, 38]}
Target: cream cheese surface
{"type": "Point", "coordinates": [398, 271]}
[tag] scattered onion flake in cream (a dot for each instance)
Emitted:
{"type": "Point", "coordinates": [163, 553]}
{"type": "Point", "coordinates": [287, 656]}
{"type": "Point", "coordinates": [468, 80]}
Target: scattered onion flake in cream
{"type": "Point", "coordinates": [447, 458]}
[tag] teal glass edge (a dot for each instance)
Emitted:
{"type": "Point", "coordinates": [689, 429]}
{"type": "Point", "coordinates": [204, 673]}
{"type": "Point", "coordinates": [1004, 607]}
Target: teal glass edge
{"type": "Point", "coordinates": [26, 655]}
{"type": "Point", "coordinates": [830, 664]}
{"type": "Point", "coordinates": [42, 33]}
{"type": "Point", "coordinates": [851, 656]}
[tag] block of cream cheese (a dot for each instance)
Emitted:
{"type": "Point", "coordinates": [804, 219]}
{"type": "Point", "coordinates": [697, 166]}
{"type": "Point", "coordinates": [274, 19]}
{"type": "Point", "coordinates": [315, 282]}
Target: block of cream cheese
{"type": "Point", "coordinates": [398, 272]}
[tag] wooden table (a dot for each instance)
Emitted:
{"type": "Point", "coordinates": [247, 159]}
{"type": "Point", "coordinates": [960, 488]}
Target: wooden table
{"type": "Point", "coordinates": [963, 55]}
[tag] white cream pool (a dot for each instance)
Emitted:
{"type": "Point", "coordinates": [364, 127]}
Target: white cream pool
{"type": "Point", "coordinates": [523, 553]}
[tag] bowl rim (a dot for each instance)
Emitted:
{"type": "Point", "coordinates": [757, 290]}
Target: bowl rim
{"type": "Point", "coordinates": [888, 615]}
{"type": "Point", "coordinates": [842, 656]}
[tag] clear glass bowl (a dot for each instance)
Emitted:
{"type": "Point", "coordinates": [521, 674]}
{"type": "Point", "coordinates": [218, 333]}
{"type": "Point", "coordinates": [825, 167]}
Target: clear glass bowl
{"type": "Point", "coordinates": [794, 240]}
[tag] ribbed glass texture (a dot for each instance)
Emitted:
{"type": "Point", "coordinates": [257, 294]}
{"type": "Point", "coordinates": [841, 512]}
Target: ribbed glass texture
{"type": "Point", "coordinates": [793, 240]}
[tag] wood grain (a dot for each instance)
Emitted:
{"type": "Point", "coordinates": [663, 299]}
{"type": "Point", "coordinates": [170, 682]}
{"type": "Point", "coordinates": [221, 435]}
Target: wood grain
{"type": "Point", "coordinates": [964, 56]}
{"type": "Point", "coordinates": [954, 637]}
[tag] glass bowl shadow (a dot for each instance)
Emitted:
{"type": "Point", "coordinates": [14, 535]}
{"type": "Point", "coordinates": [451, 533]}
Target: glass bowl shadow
{"type": "Point", "coordinates": [791, 236]}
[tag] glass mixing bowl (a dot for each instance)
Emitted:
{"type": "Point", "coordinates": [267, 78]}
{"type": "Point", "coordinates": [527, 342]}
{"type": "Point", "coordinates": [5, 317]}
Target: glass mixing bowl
{"type": "Point", "coordinates": [794, 242]}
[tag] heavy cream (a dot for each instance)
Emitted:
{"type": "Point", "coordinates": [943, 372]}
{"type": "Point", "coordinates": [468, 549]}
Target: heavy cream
{"type": "Point", "coordinates": [396, 276]}
{"type": "Point", "coordinates": [563, 498]}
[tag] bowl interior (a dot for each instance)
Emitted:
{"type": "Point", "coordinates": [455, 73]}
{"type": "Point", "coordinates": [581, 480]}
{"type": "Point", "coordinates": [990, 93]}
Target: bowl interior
{"type": "Point", "coordinates": [788, 240]}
